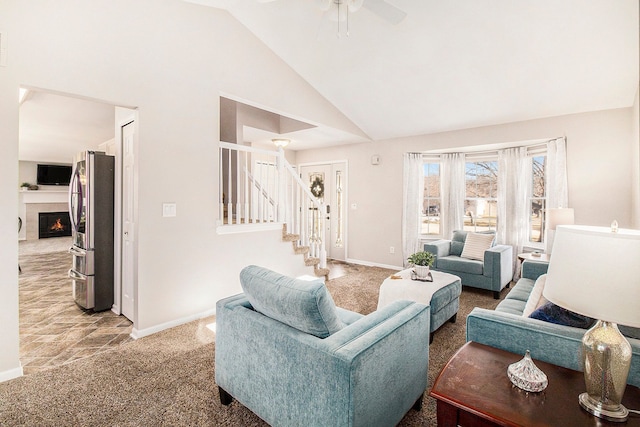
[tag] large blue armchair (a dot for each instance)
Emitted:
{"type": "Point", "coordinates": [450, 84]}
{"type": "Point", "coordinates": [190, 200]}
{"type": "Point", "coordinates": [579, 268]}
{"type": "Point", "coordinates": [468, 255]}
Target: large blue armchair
{"type": "Point", "coordinates": [493, 273]}
{"type": "Point", "coordinates": [288, 354]}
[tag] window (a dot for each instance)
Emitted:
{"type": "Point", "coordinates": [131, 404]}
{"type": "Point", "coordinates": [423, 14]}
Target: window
{"type": "Point", "coordinates": [480, 210]}
{"type": "Point", "coordinates": [431, 199]}
{"type": "Point", "coordinates": [538, 199]}
{"type": "Point", "coordinates": [481, 201]}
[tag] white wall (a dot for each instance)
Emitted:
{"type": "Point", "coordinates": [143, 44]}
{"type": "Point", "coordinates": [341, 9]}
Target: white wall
{"type": "Point", "coordinates": [598, 149]}
{"type": "Point", "coordinates": [635, 160]}
{"type": "Point", "coordinates": [172, 60]}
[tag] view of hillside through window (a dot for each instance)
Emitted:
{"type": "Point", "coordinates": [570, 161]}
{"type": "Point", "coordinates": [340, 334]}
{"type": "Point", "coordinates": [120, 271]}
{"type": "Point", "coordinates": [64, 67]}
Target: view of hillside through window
{"type": "Point", "coordinates": [481, 199]}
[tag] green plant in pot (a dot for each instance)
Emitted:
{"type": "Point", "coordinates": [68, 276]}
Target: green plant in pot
{"type": "Point", "coordinates": [421, 262]}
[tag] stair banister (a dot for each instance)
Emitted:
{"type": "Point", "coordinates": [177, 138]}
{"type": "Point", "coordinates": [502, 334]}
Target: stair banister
{"type": "Point", "coordinates": [291, 208]}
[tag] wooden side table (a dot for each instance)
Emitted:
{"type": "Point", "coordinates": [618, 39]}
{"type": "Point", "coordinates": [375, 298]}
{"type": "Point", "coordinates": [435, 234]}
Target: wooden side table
{"type": "Point", "coordinates": [473, 390]}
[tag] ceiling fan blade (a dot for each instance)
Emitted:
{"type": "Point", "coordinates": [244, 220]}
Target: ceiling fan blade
{"type": "Point", "coordinates": [385, 10]}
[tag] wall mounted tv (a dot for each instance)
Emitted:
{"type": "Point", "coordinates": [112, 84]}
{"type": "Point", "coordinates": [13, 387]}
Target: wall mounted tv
{"type": "Point", "coordinates": [53, 175]}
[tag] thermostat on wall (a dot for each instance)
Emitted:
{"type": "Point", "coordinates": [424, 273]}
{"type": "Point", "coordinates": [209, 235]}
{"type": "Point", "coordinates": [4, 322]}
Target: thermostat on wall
{"type": "Point", "coordinates": [375, 159]}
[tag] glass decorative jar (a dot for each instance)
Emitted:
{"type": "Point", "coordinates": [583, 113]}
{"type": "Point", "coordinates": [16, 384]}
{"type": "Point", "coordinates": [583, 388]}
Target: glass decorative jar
{"type": "Point", "coordinates": [526, 375]}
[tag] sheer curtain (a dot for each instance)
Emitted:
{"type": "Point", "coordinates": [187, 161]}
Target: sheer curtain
{"type": "Point", "coordinates": [514, 192]}
{"type": "Point", "coordinates": [453, 193]}
{"type": "Point", "coordinates": [556, 174]}
{"type": "Point", "coordinates": [412, 195]}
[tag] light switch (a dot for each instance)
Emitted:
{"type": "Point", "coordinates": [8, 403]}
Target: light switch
{"type": "Point", "coordinates": [168, 209]}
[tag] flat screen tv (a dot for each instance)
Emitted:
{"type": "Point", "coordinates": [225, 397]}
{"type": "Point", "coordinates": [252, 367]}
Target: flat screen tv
{"type": "Point", "coordinates": [53, 175]}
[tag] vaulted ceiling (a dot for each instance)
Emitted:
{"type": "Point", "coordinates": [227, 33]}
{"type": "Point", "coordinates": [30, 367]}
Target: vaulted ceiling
{"type": "Point", "coordinates": [458, 63]}
{"type": "Point", "coordinates": [447, 65]}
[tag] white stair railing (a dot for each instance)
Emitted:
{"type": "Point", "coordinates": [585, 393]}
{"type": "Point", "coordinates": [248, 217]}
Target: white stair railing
{"type": "Point", "coordinates": [259, 186]}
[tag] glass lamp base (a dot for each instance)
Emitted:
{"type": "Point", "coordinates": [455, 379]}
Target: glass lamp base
{"type": "Point", "coordinates": [596, 408]}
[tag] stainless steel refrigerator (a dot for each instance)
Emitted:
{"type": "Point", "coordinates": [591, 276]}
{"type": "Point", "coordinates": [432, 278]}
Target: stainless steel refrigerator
{"type": "Point", "coordinates": [91, 210]}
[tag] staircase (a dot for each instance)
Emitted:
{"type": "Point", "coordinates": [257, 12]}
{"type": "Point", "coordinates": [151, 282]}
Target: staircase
{"type": "Point", "coordinates": [259, 187]}
{"type": "Point", "coordinates": [304, 250]}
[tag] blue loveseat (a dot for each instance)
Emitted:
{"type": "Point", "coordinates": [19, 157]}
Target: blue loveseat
{"type": "Point", "coordinates": [288, 354]}
{"type": "Point", "coordinates": [493, 273]}
{"type": "Point", "coordinates": [507, 329]}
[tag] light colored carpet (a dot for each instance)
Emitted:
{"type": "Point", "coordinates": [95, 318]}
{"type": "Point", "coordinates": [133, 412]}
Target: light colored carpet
{"type": "Point", "coordinates": [167, 379]}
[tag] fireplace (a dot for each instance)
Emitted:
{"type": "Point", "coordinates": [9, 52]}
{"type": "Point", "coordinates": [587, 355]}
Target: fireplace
{"type": "Point", "coordinates": [54, 224]}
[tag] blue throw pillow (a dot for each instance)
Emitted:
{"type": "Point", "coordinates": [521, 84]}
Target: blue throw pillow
{"type": "Point", "coordinates": [552, 313]}
{"type": "Point", "coordinates": [301, 304]}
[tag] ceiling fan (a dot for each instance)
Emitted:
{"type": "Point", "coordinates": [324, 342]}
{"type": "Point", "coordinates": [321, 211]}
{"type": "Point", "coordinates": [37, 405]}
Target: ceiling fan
{"type": "Point", "coordinates": [338, 10]}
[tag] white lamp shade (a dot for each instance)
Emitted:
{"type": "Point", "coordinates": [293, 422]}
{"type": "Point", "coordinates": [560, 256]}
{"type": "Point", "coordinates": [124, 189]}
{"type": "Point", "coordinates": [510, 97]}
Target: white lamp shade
{"type": "Point", "coordinates": [596, 272]}
{"type": "Point", "coordinates": [559, 216]}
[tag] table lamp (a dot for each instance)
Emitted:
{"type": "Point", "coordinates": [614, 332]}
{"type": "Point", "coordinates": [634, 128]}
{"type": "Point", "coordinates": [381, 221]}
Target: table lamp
{"type": "Point", "coordinates": [556, 217]}
{"type": "Point", "coordinates": [594, 271]}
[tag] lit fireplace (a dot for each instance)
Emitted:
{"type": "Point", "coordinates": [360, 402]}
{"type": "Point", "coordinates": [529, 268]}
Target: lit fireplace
{"type": "Point", "coordinates": [54, 224]}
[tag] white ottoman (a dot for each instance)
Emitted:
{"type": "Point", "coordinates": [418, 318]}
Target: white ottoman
{"type": "Point", "coordinates": [442, 295]}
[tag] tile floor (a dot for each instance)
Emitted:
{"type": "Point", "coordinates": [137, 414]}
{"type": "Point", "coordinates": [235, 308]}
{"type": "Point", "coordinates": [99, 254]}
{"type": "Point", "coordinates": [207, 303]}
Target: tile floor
{"type": "Point", "coordinates": [54, 330]}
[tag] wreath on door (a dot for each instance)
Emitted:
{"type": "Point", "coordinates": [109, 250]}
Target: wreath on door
{"type": "Point", "coordinates": [317, 187]}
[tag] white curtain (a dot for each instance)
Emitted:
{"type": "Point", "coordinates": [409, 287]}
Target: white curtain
{"type": "Point", "coordinates": [556, 174]}
{"type": "Point", "coordinates": [514, 192]}
{"type": "Point", "coordinates": [412, 200]}
{"type": "Point", "coordinates": [453, 192]}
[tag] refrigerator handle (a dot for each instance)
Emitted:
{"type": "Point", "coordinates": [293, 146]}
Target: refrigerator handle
{"type": "Point", "coordinates": [77, 276]}
{"type": "Point", "coordinates": [73, 250]}
{"type": "Point", "coordinates": [71, 185]}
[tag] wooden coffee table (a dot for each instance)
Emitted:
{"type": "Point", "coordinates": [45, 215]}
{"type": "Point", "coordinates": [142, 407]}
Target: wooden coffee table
{"type": "Point", "coordinates": [473, 390]}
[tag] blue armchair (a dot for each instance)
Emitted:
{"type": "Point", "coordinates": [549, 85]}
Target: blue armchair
{"type": "Point", "coordinates": [288, 354]}
{"type": "Point", "coordinates": [493, 273]}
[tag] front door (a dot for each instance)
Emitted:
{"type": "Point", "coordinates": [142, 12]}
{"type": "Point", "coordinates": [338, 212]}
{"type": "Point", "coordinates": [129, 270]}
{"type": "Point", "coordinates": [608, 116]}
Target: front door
{"type": "Point", "coordinates": [328, 183]}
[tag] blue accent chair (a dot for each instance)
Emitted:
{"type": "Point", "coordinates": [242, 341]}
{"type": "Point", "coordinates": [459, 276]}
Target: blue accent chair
{"type": "Point", "coordinates": [289, 355]}
{"type": "Point", "coordinates": [494, 273]}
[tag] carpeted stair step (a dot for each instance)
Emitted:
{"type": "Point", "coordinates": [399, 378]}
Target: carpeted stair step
{"type": "Point", "coordinates": [290, 237]}
{"type": "Point", "coordinates": [311, 261]}
{"type": "Point", "coordinates": [321, 272]}
{"type": "Point", "coordinates": [304, 250]}
{"type": "Point", "coordinates": [300, 249]}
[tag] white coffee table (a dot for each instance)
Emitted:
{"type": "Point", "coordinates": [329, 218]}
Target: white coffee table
{"type": "Point", "coordinates": [442, 295]}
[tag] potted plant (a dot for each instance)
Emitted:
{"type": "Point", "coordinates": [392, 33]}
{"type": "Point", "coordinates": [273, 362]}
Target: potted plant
{"type": "Point", "coordinates": [421, 262]}
{"type": "Point", "coordinates": [25, 186]}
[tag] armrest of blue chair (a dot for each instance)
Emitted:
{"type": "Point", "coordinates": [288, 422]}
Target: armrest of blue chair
{"type": "Point", "coordinates": [533, 269]}
{"type": "Point", "coordinates": [440, 248]}
{"type": "Point", "coordinates": [349, 378]}
{"type": "Point", "coordinates": [498, 265]}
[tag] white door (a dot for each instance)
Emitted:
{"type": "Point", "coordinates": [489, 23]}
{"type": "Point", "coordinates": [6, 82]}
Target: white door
{"type": "Point", "coordinates": [328, 182]}
{"type": "Point", "coordinates": [128, 221]}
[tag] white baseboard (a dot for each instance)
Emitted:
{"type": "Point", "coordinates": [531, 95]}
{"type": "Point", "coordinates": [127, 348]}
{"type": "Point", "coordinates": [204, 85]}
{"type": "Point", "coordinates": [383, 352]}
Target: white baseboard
{"type": "Point", "coordinates": [139, 333]}
{"type": "Point", "coordinates": [373, 264]}
{"type": "Point", "coordinates": [11, 374]}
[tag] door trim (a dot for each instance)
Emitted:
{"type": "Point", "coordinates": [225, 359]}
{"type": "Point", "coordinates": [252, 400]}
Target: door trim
{"type": "Point", "coordinates": [345, 220]}
{"type": "Point", "coordinates": [126, 116]}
